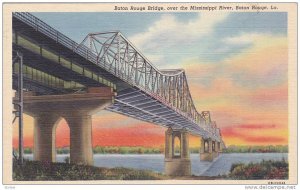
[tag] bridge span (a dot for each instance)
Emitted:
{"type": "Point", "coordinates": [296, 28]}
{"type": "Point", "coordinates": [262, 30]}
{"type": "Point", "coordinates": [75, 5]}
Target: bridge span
{"type": "Point", "coordinates": [64, 79]}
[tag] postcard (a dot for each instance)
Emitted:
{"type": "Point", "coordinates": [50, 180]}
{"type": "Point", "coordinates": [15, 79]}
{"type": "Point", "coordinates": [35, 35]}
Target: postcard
{"type": "Point", "coordinates": [150, 93]}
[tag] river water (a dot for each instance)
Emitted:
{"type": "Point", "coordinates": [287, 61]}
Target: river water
{"type": "Point", "coordinates": [155, 162]}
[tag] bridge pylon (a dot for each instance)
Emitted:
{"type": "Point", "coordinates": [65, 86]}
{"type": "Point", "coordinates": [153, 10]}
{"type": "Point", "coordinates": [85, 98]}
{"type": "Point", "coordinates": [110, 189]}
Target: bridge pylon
{"type": "Point", "coordinates": [177, 164]}
{"type": "Point", "coordinates": [209, 150]}
{"type": "Point", "coordinates": [77, 110]}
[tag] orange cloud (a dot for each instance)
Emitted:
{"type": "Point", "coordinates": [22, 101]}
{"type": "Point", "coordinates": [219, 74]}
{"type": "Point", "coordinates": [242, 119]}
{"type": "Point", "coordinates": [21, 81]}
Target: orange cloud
{"type": "Point", "coordinates": [256, 126]}
{"type": "Point", "coordinates": [254, 135]}
{"type": "Point", "coordinates": [249, 88]}
{"type": "Point", "coordinates": [270, 95]}
{"type": "Point", "coordinates": [127, 136]}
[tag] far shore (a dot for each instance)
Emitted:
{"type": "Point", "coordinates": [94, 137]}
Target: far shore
{"type": "Point", "coordinates": [160, 150]}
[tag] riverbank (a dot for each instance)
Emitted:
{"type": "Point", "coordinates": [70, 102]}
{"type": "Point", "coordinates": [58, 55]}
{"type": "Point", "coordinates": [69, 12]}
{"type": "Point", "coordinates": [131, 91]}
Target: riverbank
{"type": "Point", "coordinates": [266, 169]}
{"type": "Point", "coordinates": [47, 171]}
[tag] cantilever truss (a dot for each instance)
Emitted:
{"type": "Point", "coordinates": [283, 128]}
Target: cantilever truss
{"type": "Point", "coordinates": [157, 96]}
{"type": "Point", "coordinates": [115, 53]}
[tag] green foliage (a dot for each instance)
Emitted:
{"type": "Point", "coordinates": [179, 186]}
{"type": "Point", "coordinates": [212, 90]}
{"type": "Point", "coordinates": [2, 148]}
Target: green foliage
{"type": "Point", "coordinates": [194, 150]}
{"type": "Point", "coordinates": [264, 170]}
{"type": "Point", "coordinates": [42, 171]}
{"type": "Point", "coordinates": [63, 150]}
{"type": "Point", "coordinates": [256, 149]}
{"type": "Point", "coordinates": [126, 150]}
{"type": "Point", "coordinates": [27, 151]}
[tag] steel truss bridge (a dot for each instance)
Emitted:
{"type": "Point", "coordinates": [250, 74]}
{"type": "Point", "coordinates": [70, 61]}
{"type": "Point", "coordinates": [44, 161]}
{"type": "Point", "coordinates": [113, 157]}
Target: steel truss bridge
{"type": "Point", "coordinates": [56, 64]}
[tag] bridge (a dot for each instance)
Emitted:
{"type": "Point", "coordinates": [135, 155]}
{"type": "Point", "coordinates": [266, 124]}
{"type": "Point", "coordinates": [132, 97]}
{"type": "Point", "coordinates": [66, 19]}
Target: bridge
{"type": "Point", "coordinates": [60, 78]}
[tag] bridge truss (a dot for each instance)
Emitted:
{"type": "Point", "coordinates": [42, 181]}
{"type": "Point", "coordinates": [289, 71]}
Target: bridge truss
{"type": "Point", "coordinates": [158, 96]}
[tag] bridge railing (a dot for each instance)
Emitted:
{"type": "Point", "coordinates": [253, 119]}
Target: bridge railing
{"type": "Point", "coordinates": [44, 28]}
{"type": "Point", "coordinates": [116, 54]}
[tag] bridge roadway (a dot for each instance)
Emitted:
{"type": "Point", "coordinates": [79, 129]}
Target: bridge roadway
{"type": "Point", "coordinates": [55, 65]}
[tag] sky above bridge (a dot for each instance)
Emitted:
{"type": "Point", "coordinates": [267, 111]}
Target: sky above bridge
{"type": "Point", "coordinates": [236, 66]}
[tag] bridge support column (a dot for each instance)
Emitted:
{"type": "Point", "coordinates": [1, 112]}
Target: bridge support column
{"type": "Point", "coordinates": [219, 147]}
{"type": "Point", "coordinates": [216, 150]}
{"type": "Point", "coordinates": [80, 138]}
{"type": "Point", "coordinates": [202, 146]}
{"type": "Point", "coordinates": [177, 165]}
{"type": "Point", "coordinates": [168, 144]}
{"type": "Point", "coordinates": [206, 153]}
{"type": "Point", "coordinates": [77, 110]}
{"type": "Point", "coordinates": [44, 137]}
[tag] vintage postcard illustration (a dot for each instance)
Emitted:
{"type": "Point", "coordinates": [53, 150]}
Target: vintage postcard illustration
{"type": "Point", "coordinates": [196, 93]}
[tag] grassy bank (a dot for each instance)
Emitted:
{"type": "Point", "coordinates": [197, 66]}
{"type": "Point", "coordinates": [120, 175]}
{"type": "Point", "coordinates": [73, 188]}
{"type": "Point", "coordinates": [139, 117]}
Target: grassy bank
{"type": "Point", "coordinates": [47, 171]}
{"type": "Point", "coordinates": [263, 170]}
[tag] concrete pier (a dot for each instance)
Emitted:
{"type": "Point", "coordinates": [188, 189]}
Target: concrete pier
{"type": "Point", "coordinates": [220, 147]}
{"type": "Point", "coordinates": [206, 152]}
{"type": "Point", "coordinates": [77, 110]}
{"type": "Point", "coordinates": [177, 165]}
{"type": "Point", "coordinates": [81, 149]}
{"type": "Point", "coordinates": [215, 150]}
{"type": "Point", "coordinates": [44, 136]}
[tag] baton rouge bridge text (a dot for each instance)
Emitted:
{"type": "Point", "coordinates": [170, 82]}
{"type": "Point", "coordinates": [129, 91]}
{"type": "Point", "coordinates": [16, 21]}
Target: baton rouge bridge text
{"type": "Point", "coordinates": [137, 8]}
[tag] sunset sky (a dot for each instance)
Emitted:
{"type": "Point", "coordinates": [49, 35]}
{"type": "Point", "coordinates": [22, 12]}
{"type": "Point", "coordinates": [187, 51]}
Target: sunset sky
{"type": "Point", "coordinates": [236, 66]}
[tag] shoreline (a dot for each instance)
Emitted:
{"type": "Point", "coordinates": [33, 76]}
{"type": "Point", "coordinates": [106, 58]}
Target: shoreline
{"type": "Point", "coordinates": [51, 171]}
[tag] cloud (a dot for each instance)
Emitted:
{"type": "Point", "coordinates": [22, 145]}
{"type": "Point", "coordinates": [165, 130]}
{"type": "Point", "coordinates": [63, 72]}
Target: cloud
{"type": "Point", "coordinates": [275, 95]}
{"type": "Point", "coordinates": [266, 139]}
{"type": "Point", "coordinates": [169, 32]}
{"type": "Point", "coordinates": [259, 135]}
{"type": "Point", "coordinates": [267, 51]}
{"type": "Point", "coordinates": [141, 134]}
{"type": "Point", "coordinates": [262, 64]}
{"type": "Point", "coordinates": [172, 30]}
{"type": "Point", "coordinates": [249, 126]}
{"type": "Point", "coordinates": [246, 88]}
{"type": "Point", "coordinates": [243, 39]}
